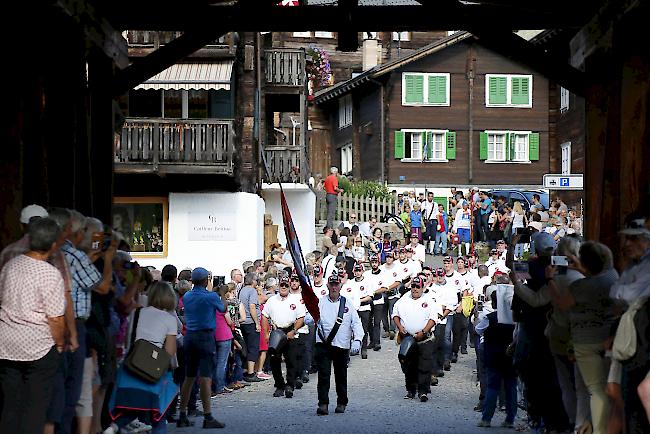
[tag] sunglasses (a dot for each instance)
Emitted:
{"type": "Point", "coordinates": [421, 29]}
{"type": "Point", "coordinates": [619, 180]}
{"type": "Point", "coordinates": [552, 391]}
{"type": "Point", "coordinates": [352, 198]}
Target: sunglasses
{"type": "Point", "coordinates": [284, 285]}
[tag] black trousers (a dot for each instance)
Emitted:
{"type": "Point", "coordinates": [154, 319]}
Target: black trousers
{"type": "Point", "coordinates": [389, 325]}
{"type": "Point", "coordinates": [460, 333]}
{"type": "Point", "coordinates": [302, 341]}
{"type": "Point", "coordinates": [290, 354]}
{"type": "Point", "coordinates": [326, 356]}
{"type": "Point", "coordinates": [27, 390]}
{"type": "Point", "coordinates": [377, 316]}
{"type": "Point", "coordinates": [439, 347]}
{"type": "Point", "coordinates": [310, 341]}
{"type": "Point", "coordinates": [365, 322]}
{"type": "Point", "coordinates": [417, 368]}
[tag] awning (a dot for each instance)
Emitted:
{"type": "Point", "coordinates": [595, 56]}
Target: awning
{"type": "Point", "coordinates": [194, 76]}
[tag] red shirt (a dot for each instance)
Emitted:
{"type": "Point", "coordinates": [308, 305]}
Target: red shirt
{"type": "Point", "coordinates": [332, 184]}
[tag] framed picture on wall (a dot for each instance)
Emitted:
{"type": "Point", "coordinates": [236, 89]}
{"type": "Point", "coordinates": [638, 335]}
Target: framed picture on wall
{"type": "Point", "coordinates": [142, 221]}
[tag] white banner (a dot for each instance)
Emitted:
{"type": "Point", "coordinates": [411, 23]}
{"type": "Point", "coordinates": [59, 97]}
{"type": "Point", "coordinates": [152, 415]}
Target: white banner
{"type": "Point", "coordinates": [206, 226]}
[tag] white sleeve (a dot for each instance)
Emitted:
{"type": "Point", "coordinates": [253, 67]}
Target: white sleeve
{"type": "Point", "coordinates": [396, 309]}
{"type": "Point", "coordinates": [301, 310]}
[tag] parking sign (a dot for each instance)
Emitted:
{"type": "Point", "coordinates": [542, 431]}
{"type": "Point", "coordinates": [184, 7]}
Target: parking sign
{"type": "Point", "coordinates": [563, 182]}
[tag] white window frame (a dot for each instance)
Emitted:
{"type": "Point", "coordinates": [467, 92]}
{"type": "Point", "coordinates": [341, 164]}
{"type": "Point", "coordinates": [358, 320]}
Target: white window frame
{"type": "Point", "coordinates": [513, 135]}
{"type": "Point", "coordinates": [345, 111]}
{"type": "Point", "coordinates": [422, 133]}
{"type": "Point", "coordinates": [565, 159]}
{"type": "Point", "coordinates": [301, 34]}
{"type": "Point", "coordinates": [509, 78]}
{"type": "Point", "coordinates": [402, 36]}
{"type": "Point", "coordinates": [346, 158]}
{"type": "Point", "coordinates": [513, 138]}
{"type": "Point", "coordinates": [495, 160]}
{"type": "Point", "coordinates": [328, 35]}
{"type": "Point", "coordinates": [426, 102]}
{"type": "Point", "coordinates": [564, 100]}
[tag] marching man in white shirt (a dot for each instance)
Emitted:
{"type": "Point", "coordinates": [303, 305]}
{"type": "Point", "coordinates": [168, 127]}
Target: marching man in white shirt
{"type": "Point", "coordinates": [363, 303]}
{"type": "Point", "coordinates": [393, 276]}
{"type": "Point", "coordinates": [339, 324]}
{"type": "Point", "coordinates": [320, 289]}
{"type": "Point", "coordinates": [415, 316]}
{"type": "Point", "coordinates": [445, 295]}
{"type": "Point", "coordinates": [284, 312]}
{"type": "Point", "coordinates": [304, 356]}
{"type": "Point", "coordinates": [378, 285]}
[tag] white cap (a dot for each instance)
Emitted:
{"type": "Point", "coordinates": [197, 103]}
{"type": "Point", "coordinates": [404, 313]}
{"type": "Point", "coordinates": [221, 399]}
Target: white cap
{"type": "Point", "coordinates": [31, 211]}
{"type": "Point", "coordinates": [536, 225]}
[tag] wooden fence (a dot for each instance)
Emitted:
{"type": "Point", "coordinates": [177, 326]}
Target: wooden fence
{"type": "Point", "coordinates": [363, 207]}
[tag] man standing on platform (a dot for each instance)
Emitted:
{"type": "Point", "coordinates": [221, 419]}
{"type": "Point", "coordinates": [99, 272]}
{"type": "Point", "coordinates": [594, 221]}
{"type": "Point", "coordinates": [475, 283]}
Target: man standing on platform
{"type": "Point", "coordinates": [338, 325]}
{"type": "Point", "coordinates": [332, 190]}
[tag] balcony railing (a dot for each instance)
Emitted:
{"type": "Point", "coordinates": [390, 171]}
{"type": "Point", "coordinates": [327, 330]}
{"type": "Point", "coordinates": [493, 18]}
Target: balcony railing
{"type": "Point", "coordinates": [148, 37]}
{"type": "Point", "coordinates": [175, 146]}
{"type": "Point", "coordinates": [285, 67]}
{"type": "Point", "coordinates": [284, 164]}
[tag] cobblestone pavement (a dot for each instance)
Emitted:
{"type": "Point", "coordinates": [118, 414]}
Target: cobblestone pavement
{"type": "Point", "coordinates": [376, 391]}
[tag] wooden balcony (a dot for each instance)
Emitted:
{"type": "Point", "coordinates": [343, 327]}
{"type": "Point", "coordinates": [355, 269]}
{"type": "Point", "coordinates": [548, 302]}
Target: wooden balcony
{"type": "Point", "coordinates": [155, 38]}
{"type": "Point", "coordinates": [175, 146]}
{"type": "Point", "coordinates": [285, 68]}
{"type": "Point", "coordinates": [284, 164]}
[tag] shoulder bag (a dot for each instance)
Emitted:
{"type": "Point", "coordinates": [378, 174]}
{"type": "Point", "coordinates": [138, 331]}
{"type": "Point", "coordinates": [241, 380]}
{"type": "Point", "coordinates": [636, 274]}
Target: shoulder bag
{"type": "Point", "coordinates": [145, 360]}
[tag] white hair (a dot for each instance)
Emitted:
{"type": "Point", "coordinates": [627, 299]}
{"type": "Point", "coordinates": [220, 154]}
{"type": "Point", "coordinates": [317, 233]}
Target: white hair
{"type": "Point", "coordinates": [334, 170]}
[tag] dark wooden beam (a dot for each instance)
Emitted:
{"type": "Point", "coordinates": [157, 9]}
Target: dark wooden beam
{"type": "Point", "coordinates": [555, 67]}
{"type": "Point", "coordinates": [447, 16]}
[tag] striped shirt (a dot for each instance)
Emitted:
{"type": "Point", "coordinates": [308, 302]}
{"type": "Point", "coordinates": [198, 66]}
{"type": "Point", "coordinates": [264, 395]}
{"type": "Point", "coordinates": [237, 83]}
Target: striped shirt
{"type": "Point", "coordinates": [85, 277]}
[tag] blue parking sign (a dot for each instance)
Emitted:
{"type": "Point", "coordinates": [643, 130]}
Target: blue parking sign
{"type": "Point", "coordinates": [564, 182]}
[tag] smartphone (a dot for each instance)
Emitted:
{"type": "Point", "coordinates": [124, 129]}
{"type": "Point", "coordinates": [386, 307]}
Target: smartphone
{"type": "Point", "coordinates": [97, 241]}
{"type": "Point", "coordinates": [562, 261]}
{"type": "Point", "coordinates": [108, 237]}
{"type": "Point", "coordinates": [520, 266]}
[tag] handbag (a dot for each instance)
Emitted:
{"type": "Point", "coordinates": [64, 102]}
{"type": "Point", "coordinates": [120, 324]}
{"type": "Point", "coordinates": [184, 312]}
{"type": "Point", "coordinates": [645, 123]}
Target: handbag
{"type": "Point", "coordinates": [145, 360]}
{"type": "Point", "coordinates": [624, 346]}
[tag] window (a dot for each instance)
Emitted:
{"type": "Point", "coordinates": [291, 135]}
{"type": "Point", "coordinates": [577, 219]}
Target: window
{"type": "Point", "coordinates": [425, 89]}
{"type": "Point", "coordinates": [345, 111]}
{"type": "Point", "coordinates": [324, 34]}
{"type": "Point", "coordinates": [143, 223]}
{"type": "Point", "coordinates": [302, 34]}
{"type": "Point", "coordinates": [401, 36]}
{"type": "Point", "coordinates": [509, 146]}
{"type": "Point", "coordinates": [346, 159]}
{"type": "Point", "coordinates": [425, 145]}
{"type": "Point", "coordinates": [566, 158]}
{"type": "Point", "coordinates": [370, 35]}
{"type": "Point", "coordinates": [508, 90]}
{"type": "Point", "coordinates": [564, 100]}
{"type": "Point", "coordinates": [497, 147]}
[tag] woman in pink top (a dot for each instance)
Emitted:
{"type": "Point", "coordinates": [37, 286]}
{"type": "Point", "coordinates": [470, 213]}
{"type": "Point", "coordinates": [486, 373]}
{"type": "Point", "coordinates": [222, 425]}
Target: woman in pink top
{"type": "Point", "coordinates": [223, 337]}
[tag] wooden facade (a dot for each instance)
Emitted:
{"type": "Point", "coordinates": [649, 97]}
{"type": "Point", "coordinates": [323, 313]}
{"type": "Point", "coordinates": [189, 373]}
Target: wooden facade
{"type": "Point", "coordinates": [467, 63]}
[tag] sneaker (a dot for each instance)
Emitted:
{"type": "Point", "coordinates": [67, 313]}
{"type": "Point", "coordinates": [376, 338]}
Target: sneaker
{"type": "Point", "coordinates": [409, 395]}
{"type": "Point", "coordinates": [305, 377]}
{"type": "Point", "coordinates": [364, 354]}
{"type": "Point", "coordinates": [484, 424]}
{"type": "Point", "coordinates": [212, 423]}
{"type": "Point", "coordinates": [392, 335]}
{"type": "Point", "coordinates": [447, 365]}
{"type": "Point", "coordinates": [322, 410]}
{"type": "Point", "coordinates": [463, 350]}
{"type": "Point", "coordinates": [434, 380]}
{"type": "Point", "coordinates": [424, 397]}
{"type": "Point", "coordinates": [454, 358]}
{"type": "Point", "coordinates": [340, 409]}
{"type": "Point", "coordinates": [252, 378]}
{"type": "Point", "coordinates": [377, 348]}
{"type": "Point", "coordinates": [298, 384]}
{"type": "Point", "coordinates": [507, 424]}
{"type": "Point", "coordinates": [183, 422]}
{"type": "Point", "coordinates": [288, 392]}
{"type": "Point", "coordinates": [261, 375]}
{"type": "Point", "coordinates": [440, 373]}
{"type": "Point", "coordinates": [137, 427]}
{"type": "Point", "coordinates": [278, 392]}
{"type": "Point", "coordinates": [112, 429]}
{"type": "Point", "coordinates": [386, 334]}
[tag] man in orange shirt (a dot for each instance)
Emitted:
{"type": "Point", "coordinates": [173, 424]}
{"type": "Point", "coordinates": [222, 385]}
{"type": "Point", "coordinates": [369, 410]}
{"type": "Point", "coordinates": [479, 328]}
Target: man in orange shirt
{"type": "Point", "coordinates": [332, 189]}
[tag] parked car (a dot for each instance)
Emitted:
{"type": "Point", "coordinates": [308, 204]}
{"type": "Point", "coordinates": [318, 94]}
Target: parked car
{"type": "Point", "coordinates": [523, 196]}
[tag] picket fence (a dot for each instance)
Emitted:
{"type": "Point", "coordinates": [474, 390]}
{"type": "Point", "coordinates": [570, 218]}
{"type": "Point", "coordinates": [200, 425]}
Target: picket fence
{"type": "Point", "coordinates": [363, 207]}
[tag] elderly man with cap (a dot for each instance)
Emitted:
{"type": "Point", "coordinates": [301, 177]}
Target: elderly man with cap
{"type": "Point", "coordinates": [445, 294]}
{"type": "Point", "coordinates": [339, 324]}
{"type": "Point", "coordinates": [415, 317]}
{"type": "Point", "coordinates": [362, 301]}
{"type": "Point", "coordinates": [201, 308]}
{"type": "Point", "coordinates": [286, 315]}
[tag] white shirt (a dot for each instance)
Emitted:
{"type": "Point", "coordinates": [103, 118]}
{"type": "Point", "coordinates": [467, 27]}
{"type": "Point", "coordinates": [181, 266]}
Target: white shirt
{"type": "Point", "coordinates": [376, 281]}
{"type": "Point", "coordinates": [154, 325]}
{"type": "Point", "coordinates": [463, 219]}
{"type": "Point", "coordinates": [466, 281]}
{"type": "Point", "coordinates": [415, 313]}
{"type": "Point", "coordinates": [304, 330]}
{"type": "Point", "coordinates": [429, 210]}
{"type": "Point", "coordinates": [284, 311]}
{"type": "Point", "coordinates": [364, 289]}
{"type": "Point", "coordinates": [447, 296]}
{"type": "Point", "coordinates": [350, 327]}
{"type": "Point", "coordinates": [454, 279]}
{"type": "Point", "coordinates": [493, 266]}
{"type": "Point", "coordinates": [437, 306]}
{"type": "Point", "coordinates": [350, 290]}
{"type": "Point", "coordinates": [419, 252]}
{"type": "Point", "coordinates": [320, 290]}
{"type": "Point", "coordinates": [393, 274]}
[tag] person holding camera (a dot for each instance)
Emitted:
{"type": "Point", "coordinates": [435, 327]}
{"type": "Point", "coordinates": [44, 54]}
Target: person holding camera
{"type": "Point", "coordinates": [415, 317]}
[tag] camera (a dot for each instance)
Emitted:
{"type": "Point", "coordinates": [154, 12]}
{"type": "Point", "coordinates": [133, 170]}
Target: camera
{"type": "Point", "coordinates": [129, 265]}
{"type": "Point", "coordinates": [524, 235]}
{"type": "Point", "coordinates": [562, 261]}
{"type": "Point", "coordinates": [520, 266]}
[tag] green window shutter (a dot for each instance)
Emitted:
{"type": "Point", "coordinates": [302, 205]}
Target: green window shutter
{"type": "Point", "coordinates": [510, 147]}
{"type": "Point", "coordinates": [414, 88]}
{"type": "Point", "coordinates": [483, 149]}
{"type": "Point", "coordinates": [437, 89]}
{"type": "Point", "coordinates": [533, 146]}
{"type": "Point", "coordinates": [428, 144]}
{"type": "Point", "coordinates": [451, 145]}
{"type": "Point", "coordinates": [520, 90]}
{"type": "Point", "coordinates": [399, 144]}
{"type": "Point", "coordinates": [497, 90]}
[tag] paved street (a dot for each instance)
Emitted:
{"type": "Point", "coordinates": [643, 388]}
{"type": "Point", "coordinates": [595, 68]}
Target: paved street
{"type": "Point", "coordinates": [376, 404]}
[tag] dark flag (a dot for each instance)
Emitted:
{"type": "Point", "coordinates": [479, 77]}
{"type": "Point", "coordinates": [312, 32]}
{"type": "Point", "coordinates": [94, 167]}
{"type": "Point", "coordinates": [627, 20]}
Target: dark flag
{"type": "Point", "coordinates": [293, 245]}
